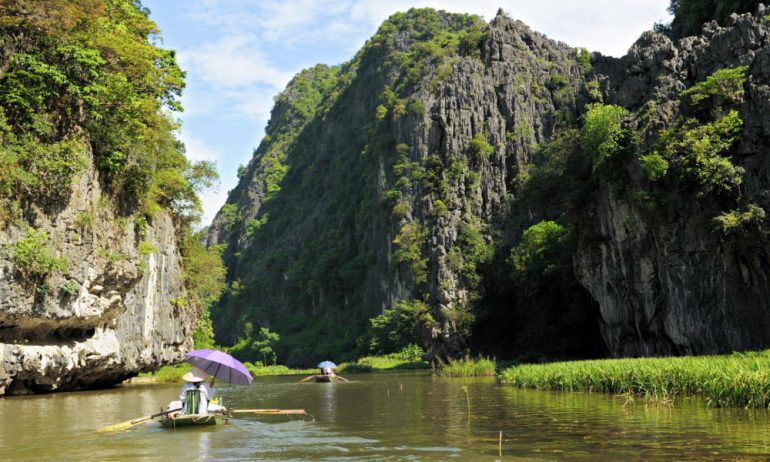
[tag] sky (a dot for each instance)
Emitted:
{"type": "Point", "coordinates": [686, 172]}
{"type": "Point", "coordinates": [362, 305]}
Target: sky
{"type": "Point", "coordinates": [239, 54]}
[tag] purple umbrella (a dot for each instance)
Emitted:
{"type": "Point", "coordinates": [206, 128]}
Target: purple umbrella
{"type": "Point", "coordinates": [220, 365]}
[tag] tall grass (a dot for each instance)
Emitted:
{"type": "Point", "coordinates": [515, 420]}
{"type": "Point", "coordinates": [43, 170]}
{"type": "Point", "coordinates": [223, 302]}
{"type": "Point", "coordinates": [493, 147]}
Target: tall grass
{"type": "Point", "coordinates": [257, 369]}
{"type": "Point", "coordinates": [469, 367]}
{"type": "Point", "coordinates": [168, 374]}
{"type": "Point", "coordinates": [736, 380]}
{"type": "Point", "coordinates": [381, 363]}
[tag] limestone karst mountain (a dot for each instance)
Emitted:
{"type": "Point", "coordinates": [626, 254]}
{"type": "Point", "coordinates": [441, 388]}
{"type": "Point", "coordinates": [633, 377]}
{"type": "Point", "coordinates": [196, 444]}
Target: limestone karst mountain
{"type": "Point", "coordinates": [505, 191]}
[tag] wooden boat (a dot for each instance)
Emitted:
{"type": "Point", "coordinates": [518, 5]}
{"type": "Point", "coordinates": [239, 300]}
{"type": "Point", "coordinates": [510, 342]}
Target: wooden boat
{"type": "Point", "coordinates": [327, 378]}
{"type": "Point", "coordinates": [189, 420]}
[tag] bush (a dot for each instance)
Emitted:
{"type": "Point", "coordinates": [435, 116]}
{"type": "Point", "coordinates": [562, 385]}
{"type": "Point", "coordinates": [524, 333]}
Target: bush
{"type": "Point", "coordinates": [396, 329]}
{"type": "Point", "coordinates": [479, 146]}
{"type": "Point", "coordinates": [602, 133]}
{"type": "Point", "coordinates": [722, 88]}
{"type": "Point", "coordinates": [410, 240]}
{"type": "Point", "coordinates": [33, 259]}
{"type": "Point", "coordinates": [541, 250]}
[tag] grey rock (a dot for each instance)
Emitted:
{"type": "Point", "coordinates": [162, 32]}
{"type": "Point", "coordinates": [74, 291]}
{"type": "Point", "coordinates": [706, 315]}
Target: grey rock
{"type": "Point", "coordinates": [119, 322]}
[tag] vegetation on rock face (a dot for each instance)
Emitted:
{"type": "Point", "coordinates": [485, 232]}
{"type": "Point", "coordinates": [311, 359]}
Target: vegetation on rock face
{"type": "Point", "coordinates": [690, 15]}
{"type": "Point", "coordinates": [83, 84]}
{"type": "Point", "coordinates": [320, 313]}
{"type": "Point", "coordinates": [33, 258]}
{"type": "Point", "coordinates": [355, 157]}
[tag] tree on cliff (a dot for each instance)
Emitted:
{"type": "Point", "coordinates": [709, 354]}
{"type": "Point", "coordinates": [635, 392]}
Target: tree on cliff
{"type": "Point", "coordinates": [689, 15]}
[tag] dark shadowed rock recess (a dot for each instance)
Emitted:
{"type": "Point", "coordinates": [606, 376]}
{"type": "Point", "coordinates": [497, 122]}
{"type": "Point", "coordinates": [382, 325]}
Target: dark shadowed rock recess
{"type": "Point", "coordinates": [403, 175]}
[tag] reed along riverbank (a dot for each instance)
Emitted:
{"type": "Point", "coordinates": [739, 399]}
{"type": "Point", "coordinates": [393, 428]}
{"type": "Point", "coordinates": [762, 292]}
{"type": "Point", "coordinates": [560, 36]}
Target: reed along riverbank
{"type": "Point", "coordinates": [736, 380]}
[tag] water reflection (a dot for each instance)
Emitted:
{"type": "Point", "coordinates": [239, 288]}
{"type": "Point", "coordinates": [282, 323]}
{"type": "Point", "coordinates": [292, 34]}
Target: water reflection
{"type": "Point", "coordinates": [383, 417]}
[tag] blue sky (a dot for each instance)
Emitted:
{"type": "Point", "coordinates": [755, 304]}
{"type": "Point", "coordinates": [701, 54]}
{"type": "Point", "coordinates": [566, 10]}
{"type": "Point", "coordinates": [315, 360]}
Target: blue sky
{"type": "Point", "coordinates": [239, 54]}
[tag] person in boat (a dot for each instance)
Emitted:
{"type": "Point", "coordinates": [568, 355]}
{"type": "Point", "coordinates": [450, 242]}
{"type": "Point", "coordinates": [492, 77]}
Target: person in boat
{"type": "Point", "coordinates": [196, 395]}
{"type": "Point", "coordinates": [327, 371]}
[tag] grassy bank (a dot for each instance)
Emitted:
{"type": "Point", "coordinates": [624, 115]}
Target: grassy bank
{"type": "Point", "coordinates": [384, 363]}
{"type": "Point", "coordinates": [469, 367]}
{"type": "Point", "coordinates": [737, 380]}
{"type": "Point", "coordinates": [168, 374]}
{"type": "Point", "coordinates": [277, 369]}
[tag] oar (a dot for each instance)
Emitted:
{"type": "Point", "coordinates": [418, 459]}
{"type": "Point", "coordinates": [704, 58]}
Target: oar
{"type": "Point", "coordinates": [130, 423]}
{"type": "Point", "coordinates": [342, 378]}
{"type": "Point", "coordinates": [306, 379]}
{"type": "Point", "coordinates": [268, 411]}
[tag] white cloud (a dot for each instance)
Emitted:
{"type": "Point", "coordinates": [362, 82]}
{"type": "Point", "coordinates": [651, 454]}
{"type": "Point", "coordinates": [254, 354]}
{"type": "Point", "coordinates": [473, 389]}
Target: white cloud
{"type": "Point", "coordinates": [232, 61]}
{"type": "Point", "coordinates": [199, 149]}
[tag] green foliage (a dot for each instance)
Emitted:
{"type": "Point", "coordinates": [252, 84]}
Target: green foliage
{"type": "Point", "coordinates": [70, 288]}
{"type": "Point", "coordinates": [255, 224]}
{"type": "Point", "coordinates": [32, 257]}
{"type": "Point", "coordinates": [395, 329]}
{"type": "Point", "coordinates": [695, 153]}
{"type": "Point", "coordinates": [140, 225]}
{"type": "Point", "coordinates": [203, 336]}
{"type": "Point", "coordinates": [276, 369]}
{"type": "Point", "coordinates": [480, 147]}
{"type": "Point", "coordinates": [602, 133]}
{"type": "Point", "coordinates": [145, 248]}
{"type": "Point", "coordinates": [87, 74]}
{"type": "Point", "coordinates": [557, 82]}
{"type": "Point", "coordinates": [474, 251]}
{"type": "Point", "coordinates": [393, 361]}
{"type": "Point", "coordinates": [541, 250]}
{"type": "Point", "coordinates": [169, 374]}
{"type": "Point", "coordinates": [469, 367]}
{"type": "Point", "coordinates": [411, 352]}
{"type": "Point", "coordinates": [440, 209]}
{"type": "Point", "coordinates": [583, 59]}
{"type": "Point", "coordinates": [410, 240]}
{"type": "Point", "coordinates": [740, 224]}
{"type": "Point", "coordinates": [737, 380]}
{"type": "Point", "coordinates": [204, 272]}
{"type": "Point", "coordinates": [84, 220]}
{"type": "Point", "coordinates": [231, 214]}
{"type": "Point", "coordinates": [257, 346]}
{"type": "Point", "coordinates": [416, 107]}
{"type": "Point", "coordinates": [437, 37]}
{"type": "Point", "coordinates": [381, 112]}
{"type": "Point", "coordinates": [722, 88]}
{"type": "Point", "coordinates": [689, 15]}
{"type": "Point", "coordinates": [654, 166]}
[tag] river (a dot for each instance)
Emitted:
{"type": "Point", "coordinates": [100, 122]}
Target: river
{"type": "Point", "coordinates": [382, 416]}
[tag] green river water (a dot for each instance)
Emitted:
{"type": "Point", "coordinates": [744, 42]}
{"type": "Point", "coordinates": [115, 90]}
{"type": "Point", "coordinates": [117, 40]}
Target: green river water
{"type": "Point", "coordinates": [382, 416]}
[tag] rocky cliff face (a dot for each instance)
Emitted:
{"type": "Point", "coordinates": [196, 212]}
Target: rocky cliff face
{"type": "Point", "coordinates": [106, 318]}
{"type": "Point", "coordinates": [97, 200]}
{"type": "Point", "coordinates": [411, 174]}
{"type": "Point", "coordinates": [668, 284]}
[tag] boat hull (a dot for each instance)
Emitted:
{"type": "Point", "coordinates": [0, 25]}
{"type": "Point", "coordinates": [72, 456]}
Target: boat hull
{"type": "Point", "coordinates": [326, 378]}
{"type": "Point", "coordinates": [192, 420]}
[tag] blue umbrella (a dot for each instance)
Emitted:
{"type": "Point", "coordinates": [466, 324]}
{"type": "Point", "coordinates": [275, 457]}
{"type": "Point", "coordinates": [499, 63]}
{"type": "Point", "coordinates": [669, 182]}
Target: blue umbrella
{"type": "Point", "coordinates": [326, 364]}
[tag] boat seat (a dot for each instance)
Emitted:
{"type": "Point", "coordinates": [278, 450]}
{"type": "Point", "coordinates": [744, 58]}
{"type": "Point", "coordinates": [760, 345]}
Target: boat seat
{"type": "Point", "coordinates": [192, 401]}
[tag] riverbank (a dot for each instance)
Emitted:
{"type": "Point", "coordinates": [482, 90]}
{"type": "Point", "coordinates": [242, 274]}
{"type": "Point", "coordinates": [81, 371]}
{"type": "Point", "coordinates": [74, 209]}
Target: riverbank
{"type": "Point", "coordinates": [736, 380]}
{"type": "Point", "coordinates": [172, 374]}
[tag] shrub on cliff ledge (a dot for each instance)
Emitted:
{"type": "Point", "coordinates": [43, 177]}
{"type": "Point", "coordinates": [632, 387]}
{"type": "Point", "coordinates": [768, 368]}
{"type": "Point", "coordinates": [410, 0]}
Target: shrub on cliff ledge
{"type": "Point", "coordinates": [32, 257]}
{"type": "Point", "coordinates": [602, 133]}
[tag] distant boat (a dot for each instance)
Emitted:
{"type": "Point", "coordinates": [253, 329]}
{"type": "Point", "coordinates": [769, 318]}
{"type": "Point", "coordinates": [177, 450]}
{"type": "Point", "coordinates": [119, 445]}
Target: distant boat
{"type": "Point", "coordinates": [189, 420]}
